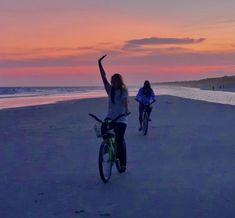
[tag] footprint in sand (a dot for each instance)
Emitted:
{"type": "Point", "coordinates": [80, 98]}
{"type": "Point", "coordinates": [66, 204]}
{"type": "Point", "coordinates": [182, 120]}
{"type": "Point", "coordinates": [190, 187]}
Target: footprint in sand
{"type": "Point", "coordinates": [79, 211]}
{"type": "Point", "coordinates": [169, 102]}
{"type": "Point", "coordinates": [105, 214]}
{"type": "Point", "coordinates": [41, 193]}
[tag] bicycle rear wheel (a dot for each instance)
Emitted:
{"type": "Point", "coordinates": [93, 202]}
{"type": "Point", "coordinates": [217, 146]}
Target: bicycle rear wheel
{"type": "Point", "coordinates": [145, 123]}
{"type": "Point", "coordinates": [105, 162]}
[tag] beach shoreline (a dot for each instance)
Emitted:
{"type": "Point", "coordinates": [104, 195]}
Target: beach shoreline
{"type": "Point", "coordinates": [184, 92]}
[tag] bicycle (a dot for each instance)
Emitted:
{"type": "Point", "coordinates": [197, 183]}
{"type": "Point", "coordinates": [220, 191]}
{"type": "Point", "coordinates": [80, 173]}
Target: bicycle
{"type": "Point", "coordinates": [108, 148]}
{"type": "Point", "coordinates": [146, 113]}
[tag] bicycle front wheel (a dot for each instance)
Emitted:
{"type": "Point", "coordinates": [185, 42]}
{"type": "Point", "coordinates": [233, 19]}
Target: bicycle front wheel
{"type": "Point", "coordinates": [145, 123]}
{"type": "Point", "coordinates": [105, 162]}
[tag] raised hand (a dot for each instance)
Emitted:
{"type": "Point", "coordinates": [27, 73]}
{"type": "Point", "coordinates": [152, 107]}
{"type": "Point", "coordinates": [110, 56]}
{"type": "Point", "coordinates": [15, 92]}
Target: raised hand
{"type": "Point", "coordinates": [103, 75]}
{"type": "Point", "coordinates": [102, 58]}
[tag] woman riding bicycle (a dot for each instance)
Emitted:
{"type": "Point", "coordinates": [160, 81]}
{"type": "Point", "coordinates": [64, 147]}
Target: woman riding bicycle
{"type": "Point", "coordinates": [118, 104]}
{"type": "Point", "coordinates": [145, 97]}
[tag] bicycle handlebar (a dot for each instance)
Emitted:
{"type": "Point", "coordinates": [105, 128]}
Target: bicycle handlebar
{"type": "Point", "coordinates": [96, 118]}
{"type": "Point", "coordinates": [100, 121]}
{"type": "Point", "coordinates": [151, 103]}
{"type": "Point", "coordinates": [121, 115]}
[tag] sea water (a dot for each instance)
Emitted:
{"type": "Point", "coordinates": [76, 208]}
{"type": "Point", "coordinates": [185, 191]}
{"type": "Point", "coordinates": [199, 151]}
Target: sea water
{"type": "Point", "coordinates": [12, 97]}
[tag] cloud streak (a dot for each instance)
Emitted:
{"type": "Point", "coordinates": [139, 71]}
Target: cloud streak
{"type": "Point", "coordinates": [156, 58]}
{"type": "Point", "coordinates": [37, 53]}
{"type": "Point", "coordinates": [50, 49]}
{"type": "Point", "coordinates": [228, 21]}
{"type": "Point", "coordinates": [161, 41]}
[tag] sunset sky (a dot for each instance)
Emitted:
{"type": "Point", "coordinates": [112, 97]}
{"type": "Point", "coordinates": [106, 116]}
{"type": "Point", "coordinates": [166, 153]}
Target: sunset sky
{"type": "Point", "coordinates": [55, 42]}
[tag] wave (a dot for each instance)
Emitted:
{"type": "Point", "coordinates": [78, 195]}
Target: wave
{"type": "Point", "coordinates": [14, 92]}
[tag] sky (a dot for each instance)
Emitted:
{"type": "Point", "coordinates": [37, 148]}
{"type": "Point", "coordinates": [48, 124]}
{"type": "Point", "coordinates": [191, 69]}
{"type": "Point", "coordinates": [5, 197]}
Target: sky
{"type": "Point", "coordinates": [58, 43]}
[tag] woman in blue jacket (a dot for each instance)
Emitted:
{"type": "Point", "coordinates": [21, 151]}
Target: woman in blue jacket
{"type": "Point", "coordinates": [145, 97]}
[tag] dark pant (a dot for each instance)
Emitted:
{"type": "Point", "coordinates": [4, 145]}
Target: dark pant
{"type": "Point", "coordinates": [119, 129]}
{"type": "Point", "coordinates": [141, 111]}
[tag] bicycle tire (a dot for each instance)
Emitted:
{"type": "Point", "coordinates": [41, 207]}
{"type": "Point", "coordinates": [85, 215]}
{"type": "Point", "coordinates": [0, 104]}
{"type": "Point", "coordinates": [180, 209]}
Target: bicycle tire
{"type": "Point", "coordinates": [118, 166]}
{"type": "Point", "coordinates": [145, 123]}
{"type": "Point", "coordinates": [104, 156]}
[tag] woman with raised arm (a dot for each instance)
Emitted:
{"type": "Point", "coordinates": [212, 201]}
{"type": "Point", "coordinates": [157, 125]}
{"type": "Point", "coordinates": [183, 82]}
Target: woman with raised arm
{"type": "Point", "coordinates": [118, 104]}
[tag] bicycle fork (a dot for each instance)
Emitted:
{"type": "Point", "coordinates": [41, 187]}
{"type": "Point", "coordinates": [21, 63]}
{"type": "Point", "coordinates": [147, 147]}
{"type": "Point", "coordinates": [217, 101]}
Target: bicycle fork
{"type": "Point", "coordinates": [112, 149]}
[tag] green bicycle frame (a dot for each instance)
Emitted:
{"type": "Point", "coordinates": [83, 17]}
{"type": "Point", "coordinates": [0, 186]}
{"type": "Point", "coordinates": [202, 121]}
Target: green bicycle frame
{"type": "Point", "coordinates": [112, 148]}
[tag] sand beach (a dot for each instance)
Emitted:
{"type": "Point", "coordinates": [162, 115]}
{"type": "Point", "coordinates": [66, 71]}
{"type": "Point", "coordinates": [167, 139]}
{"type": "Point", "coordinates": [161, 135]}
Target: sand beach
{"type": "Point", "coordinates": [184, 167]}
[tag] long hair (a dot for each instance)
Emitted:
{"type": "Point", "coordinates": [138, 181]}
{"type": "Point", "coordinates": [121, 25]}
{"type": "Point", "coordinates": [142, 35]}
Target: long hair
{"type": "Point", "coordinates": [147, 89]}
{"type": "Point", "coordinates": [122, 86]}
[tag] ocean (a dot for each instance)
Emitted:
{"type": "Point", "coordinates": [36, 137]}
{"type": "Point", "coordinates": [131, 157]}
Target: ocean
{"type": "Point", "coordinates": [13, 97]}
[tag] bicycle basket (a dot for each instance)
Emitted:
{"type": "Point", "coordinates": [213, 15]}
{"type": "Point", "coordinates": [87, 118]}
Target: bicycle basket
{"type": "Point", "coordinates": [97, 128]}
